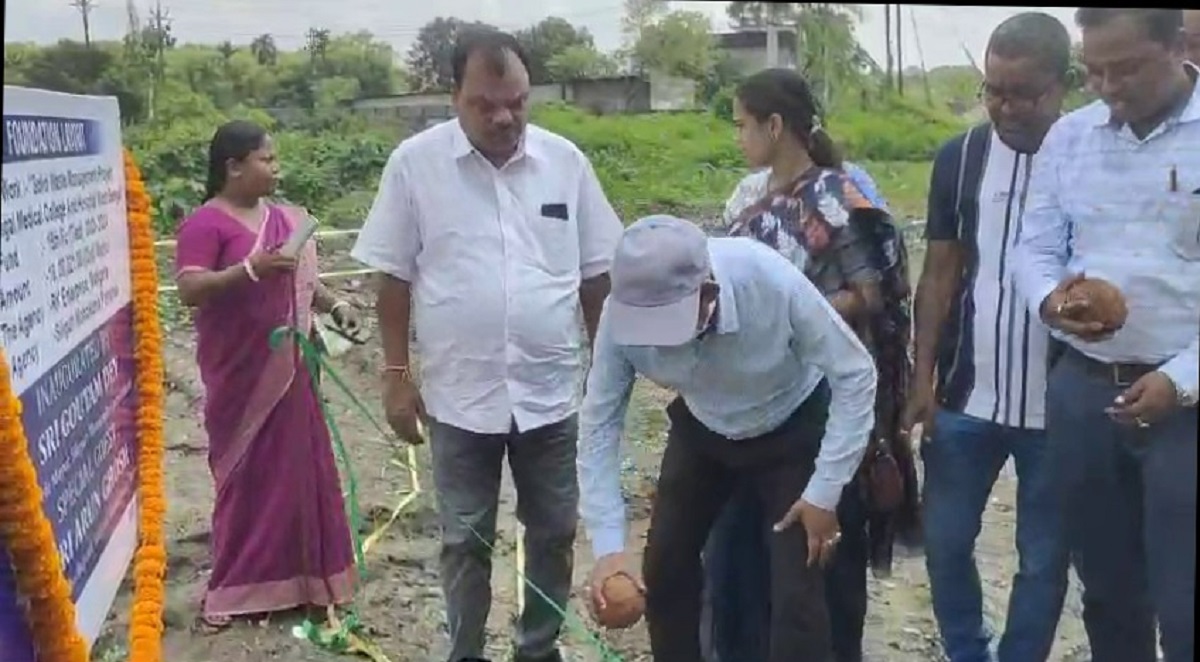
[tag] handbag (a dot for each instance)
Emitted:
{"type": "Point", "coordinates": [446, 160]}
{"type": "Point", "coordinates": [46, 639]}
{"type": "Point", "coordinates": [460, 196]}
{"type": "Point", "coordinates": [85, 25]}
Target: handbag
{"type": "Point", "coordinates": [883, 482]}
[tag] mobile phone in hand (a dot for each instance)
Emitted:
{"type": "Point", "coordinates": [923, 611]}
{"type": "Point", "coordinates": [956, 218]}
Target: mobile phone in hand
{"type": "Point", "coordinates": [302, 233]}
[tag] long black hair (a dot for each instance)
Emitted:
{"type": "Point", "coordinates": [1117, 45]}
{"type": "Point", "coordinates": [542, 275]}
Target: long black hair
{"type": "Point", "coordinates": [232, 141]}
{"type": "Point", "coordinates": [785, 93]}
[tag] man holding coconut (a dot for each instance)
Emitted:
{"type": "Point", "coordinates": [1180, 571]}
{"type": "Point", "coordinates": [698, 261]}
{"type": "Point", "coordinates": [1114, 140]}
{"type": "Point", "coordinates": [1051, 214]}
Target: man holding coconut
{"type": "Point", "coordinates": [773, 390]}
{"type": "Point", "coordinates": [1116, 197]}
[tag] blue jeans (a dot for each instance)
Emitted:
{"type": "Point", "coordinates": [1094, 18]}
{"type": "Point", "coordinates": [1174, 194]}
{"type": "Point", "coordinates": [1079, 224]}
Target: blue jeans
{"type": "Point", "coordinates": [962, 461]}
{"type": "Point", "coordinates": [737, 583]}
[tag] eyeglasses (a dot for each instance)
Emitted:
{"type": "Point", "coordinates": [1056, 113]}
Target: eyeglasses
{"type": "Point", "coordinates": [1019, 97]}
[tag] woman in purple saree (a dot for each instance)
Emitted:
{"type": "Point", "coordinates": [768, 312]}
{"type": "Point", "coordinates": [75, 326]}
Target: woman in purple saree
{"type": "Point", "coordinates": [280, 537]}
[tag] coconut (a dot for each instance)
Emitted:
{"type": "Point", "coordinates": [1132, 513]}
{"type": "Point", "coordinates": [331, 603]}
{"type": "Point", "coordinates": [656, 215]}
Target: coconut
{"type": "Point", "coordinates": [1106, 304]}
{"type": "Point", "coordinates": [624, 603]}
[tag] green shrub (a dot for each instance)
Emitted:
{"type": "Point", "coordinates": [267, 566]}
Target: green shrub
{"type": "Point", "coordinates": [893, 131]}
{"type": "Point", "coordinates": [682, 163]}
{"type": "Point", "coordinates": [318, 169]}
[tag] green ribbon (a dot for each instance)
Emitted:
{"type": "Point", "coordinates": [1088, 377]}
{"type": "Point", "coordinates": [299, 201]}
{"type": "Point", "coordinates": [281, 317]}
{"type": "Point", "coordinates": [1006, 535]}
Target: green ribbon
{"type": "Point", "coordinates": [338, 641]}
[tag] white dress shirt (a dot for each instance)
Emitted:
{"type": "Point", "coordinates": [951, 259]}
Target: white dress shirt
{"type": "Point", "coordinates": [1101, 203]}
{"type": "Point", "coordinates": [495, 257]}
{"type": "Point", "coordinates": [775, 339]}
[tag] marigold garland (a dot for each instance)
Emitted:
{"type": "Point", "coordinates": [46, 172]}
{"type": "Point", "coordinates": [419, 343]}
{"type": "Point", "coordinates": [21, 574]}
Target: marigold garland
{"type": "Point", "coordinates": [24, 527]}
{"type": "Point", "coordinates": [29, 539]}
{"type": "Point", "coordinates": [150, 562]}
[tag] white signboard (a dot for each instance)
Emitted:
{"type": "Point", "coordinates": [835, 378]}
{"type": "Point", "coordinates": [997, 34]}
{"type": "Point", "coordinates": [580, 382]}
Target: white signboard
{"type": "Point", "coordinates": [66, 329]}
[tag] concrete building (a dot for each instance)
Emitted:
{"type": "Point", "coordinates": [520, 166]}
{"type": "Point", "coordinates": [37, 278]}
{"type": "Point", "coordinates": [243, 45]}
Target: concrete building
{"type": "Point", "coordinates": [755, 50]}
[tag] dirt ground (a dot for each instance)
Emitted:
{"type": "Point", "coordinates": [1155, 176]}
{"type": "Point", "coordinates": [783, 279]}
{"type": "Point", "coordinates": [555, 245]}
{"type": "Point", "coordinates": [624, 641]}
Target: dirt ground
{"type": "Point", "coordinates": [401, 601]}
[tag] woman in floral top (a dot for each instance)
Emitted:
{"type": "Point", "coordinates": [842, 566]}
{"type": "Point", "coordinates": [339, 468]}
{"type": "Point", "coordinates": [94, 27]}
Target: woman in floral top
{"type": "Point", "coordinates": [805, 203]}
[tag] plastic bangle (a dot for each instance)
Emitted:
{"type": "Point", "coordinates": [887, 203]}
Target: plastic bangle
{"type": "Point", "coordinates": [249, 270]}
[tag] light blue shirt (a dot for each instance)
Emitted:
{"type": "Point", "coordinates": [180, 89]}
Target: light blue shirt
{"type": "Point", "coordinates": [1101, 203]}
{"type": "Point", "coordinates": [775, 338]}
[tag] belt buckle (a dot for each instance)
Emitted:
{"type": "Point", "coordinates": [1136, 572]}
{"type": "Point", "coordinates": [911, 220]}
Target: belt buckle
{"type": "Point", "coordinates": [1118, 376]}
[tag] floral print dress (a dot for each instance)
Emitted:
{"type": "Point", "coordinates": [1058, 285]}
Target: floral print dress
{"type": "Point", "coordinates": [826, 226]}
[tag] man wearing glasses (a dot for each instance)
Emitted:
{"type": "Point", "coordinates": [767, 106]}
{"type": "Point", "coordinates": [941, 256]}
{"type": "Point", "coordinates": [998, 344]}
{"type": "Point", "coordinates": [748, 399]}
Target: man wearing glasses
{"type": "Point", "coordinates": [1116, 196]}
{"type": "Point", "coordinates": [981, 357]}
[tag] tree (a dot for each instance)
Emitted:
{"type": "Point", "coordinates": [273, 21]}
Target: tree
{"type": "Point", "coordinates": [158, 38]}
{"type": "Point", "coordinates": [137, 66]}
{"type": "Point", "coordinates": [724, 74]}
{"type": "Point", "coordinates": [68, 66]}
{"type": "Point", "coordinates": [264, 50]}
{"type": "Point", "coordinates": [578, 62]}
{"type": "Point", "coordinates": [17, 58]}
{"type": "Point", "coordinates": [146, 70]}
{"type": "Point", "coordinates": [828, 51]}
{"type": "Point", "coordinates": [364, 59]}
{"type": "Point", "coordinates": [753, 15]}
{"type": "Point", "coordinates": [831, 55]}
{"type": "Point", "coordinates": [638, 15]}
{"type": "Point", "coordinates": [316, 42]}
{"type": "Point", "coordinates": [547, 39]}
{"type": "Point", "coordinates": [429, 59]}
{"type": "Point", "coordinates": [678, 44]}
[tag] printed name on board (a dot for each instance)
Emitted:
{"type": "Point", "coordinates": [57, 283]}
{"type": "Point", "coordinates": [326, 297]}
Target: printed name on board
{"type": "Point", "coordinates": [45, 137]}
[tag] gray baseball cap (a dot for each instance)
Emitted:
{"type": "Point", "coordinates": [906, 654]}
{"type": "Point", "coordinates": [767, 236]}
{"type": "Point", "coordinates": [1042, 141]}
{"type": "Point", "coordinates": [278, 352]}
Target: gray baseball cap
{"type": "Point", "coordinates": [657, 271]}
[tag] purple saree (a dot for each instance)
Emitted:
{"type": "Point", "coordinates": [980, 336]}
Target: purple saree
{"type": "Point", "coordinates": [280, 538]}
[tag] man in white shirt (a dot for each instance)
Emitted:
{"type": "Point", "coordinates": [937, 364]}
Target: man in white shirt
{"type": "Point", "coordinates": [498, 234]}
{"type": "Point", "coordinates": [1116, 196]}
{"type": "Point", "coordinates": [979, 380]}
{"type": "Point", "coordinates": [773, 388]}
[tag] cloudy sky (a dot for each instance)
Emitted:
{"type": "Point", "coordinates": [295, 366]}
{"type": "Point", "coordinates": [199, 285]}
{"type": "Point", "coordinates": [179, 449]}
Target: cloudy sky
{"type": "Point", "coordinates": [940, 32]}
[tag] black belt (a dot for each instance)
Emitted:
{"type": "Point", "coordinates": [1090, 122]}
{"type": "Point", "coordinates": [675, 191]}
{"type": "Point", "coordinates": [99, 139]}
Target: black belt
{"type": "Point", "coordinates": [1116, 374]}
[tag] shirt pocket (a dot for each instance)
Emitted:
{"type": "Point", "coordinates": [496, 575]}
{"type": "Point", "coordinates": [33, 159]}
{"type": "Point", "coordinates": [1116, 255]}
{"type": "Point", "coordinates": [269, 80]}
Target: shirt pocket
{"type": "Point", "coordinates": [554, 230]}
{"type": "Point", "coordinates": [1183, 219]}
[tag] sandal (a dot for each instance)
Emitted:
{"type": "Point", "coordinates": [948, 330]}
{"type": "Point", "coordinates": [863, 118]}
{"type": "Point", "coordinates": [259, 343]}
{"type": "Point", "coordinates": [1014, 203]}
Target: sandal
{"type": "Point", "coordinates": [214, 624]}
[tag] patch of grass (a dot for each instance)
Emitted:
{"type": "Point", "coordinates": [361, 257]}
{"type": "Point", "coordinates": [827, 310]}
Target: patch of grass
{"type": "Point", "coordinates": [905, 184]}
{"type": "Point", "coordinates": [689, 163]}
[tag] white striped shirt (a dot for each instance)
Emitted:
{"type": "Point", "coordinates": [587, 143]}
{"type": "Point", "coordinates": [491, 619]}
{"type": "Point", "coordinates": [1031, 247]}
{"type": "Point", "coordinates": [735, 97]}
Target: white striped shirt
{"type": "Point", "coordinates": [992, 354]}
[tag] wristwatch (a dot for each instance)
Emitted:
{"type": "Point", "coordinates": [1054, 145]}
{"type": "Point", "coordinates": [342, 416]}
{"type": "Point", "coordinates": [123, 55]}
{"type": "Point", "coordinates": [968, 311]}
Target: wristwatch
{"type": "Point", "coordinates": [1186, 398]}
